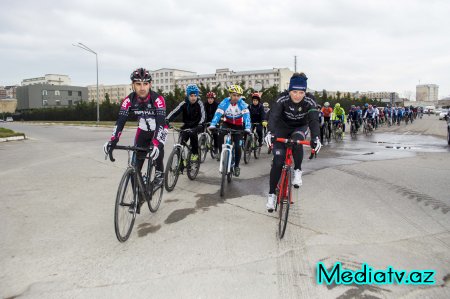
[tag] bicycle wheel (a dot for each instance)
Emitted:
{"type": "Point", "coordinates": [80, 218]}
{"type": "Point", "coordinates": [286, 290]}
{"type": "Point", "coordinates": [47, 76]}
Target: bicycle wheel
{"type": "Point", "coordinates": [257, 150]}
{"type": "Point", "coordinates": [172, 169]}
{"type": "Point", "coordinates": [248, 149]}
{"type": "Point", "coordinates": [212, 150]}
{"type": "Point", "coordinates": [155, 192]}
{"type": "Point", "coordinates": [203, 148]}
{"type": "Point", "coordinates": [284, 201]}
{"type": "Point", "coordinates": [193, 167]}
{"type": "Point", "coordinates": [353, 130]}
{"type": "Point", "coordinates": [224, 173]}
{"type": "Point", "coordinates": [126, 200]}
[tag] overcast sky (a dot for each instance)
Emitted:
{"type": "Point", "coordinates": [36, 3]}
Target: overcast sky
{"type": "Point", "coordinates": [346, 45]}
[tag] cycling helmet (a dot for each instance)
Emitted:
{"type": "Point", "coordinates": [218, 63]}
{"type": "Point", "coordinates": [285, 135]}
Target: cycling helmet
{"type": "Point", "coordinates": [235, 89]}
{"type": "Point", "coordinates": [192, 89]}
{"type": "Point", "coordinates": [266, 105]}
{"type": "Point", "coordinates": [318, 106]}
{"type": "Point", "coordinates": [210, 95]}
{"type": "Point", "coordinates": [366, 105]}
{"type": "Point", "coordinates": [141, 75]}
{"type": "Point", "coordinates": [337, 105]}
{"type": "Point", "coordinates": [326, 104]}
{"type": "Point", "coordinates": [255, 95]}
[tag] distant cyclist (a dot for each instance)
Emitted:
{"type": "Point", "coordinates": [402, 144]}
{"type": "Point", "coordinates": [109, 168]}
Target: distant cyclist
{"type": "Point", "coordinates": [210, 109]}
{"type": "Point", "coordinates": [257, 115]}
{"type": "Point", "coordinates": [327, 111]}
{"type": "Point", "coordinates": [150, 109]}
{"type": "Point", "coordinates": [237, 117]}
{"type": "Point", "coordinates": [291, 116]}
{"type": "Point", "coordinates": [193, 117]}
{"type": "Point", "coordinates": [339, 115]}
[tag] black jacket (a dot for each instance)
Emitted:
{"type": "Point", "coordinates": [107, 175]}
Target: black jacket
{"type": "Point", "coordinates": [285, 114]}
{"type": "Point", "coordinates": [193, 114]}
{"type": "Point", "coordinates": [257, 114]}
{"type": "Point", "coordinates": [210, 109]}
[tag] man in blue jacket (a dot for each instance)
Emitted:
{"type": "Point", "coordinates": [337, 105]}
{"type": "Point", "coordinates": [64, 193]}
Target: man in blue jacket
{"type": "Point", "coordinates": [237, 117]}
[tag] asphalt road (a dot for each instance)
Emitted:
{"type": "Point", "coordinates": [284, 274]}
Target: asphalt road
{"type": "Point", "coordinates": [382, 200]}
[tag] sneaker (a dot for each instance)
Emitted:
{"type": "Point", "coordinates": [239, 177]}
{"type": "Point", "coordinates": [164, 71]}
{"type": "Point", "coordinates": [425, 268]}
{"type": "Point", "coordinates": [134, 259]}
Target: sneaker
{"type": "Point", "coordinates": [194, 158]}
{"type": "Point", "coordinates": [159, 178]}
{"type": "Point", "coordinates": [270, 205]}
{"type": "Point", "coordinates": [297, 182]}
{"type": "Point", "coordinates": [237, 171]}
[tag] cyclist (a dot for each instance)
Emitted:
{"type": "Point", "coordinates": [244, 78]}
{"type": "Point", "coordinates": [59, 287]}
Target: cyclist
{"type": "Point", "coordinates": [237, 117]}
{"type": "Point", "coordinates": [327, 111]}
{"type": "Point", "coordinates": [353, 116]}
{"type": "Point", "coordinates": [150, 109]}
{"type": "Point", "coordinates": [291, 116]}
{"type": "Point", "coordinates": [321, 121]}
{"type": "Point", "coordinates": [210, 108]}
{"type": "Point", "coordinates": [369, 116]}
{"type": "Point", "coordinates": [257, 115]}
{"type": "Point", "coordinates": [339, 116]}
{"type": "Point", "coordinates": [193, 117]}
{"type": "Point", "coordinates": [377, 116]}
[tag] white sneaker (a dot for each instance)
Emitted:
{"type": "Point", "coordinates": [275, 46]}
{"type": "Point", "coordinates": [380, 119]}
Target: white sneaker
{"type": "Point", "coordinates": [297, 182]}
{"type": "Point", "coordinates": [270, 205]}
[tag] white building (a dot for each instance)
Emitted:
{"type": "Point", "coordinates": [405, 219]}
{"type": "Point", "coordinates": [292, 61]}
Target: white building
{"type": "Point", "coordinates": [116, 93]}
{"type": "Point", "coordinates": [164, 79]}
{"type": "Point", "coordinates": [384, 96]}
{"type": "Point", "coordinates": [427, 92]}
{"type": "Point", "coordinates": [226, 77]}
{"type": "Point", "coordinates": [52, 79]}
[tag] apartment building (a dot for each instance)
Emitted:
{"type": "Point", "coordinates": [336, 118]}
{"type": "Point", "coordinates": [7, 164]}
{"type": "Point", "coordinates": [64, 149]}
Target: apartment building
{"type": "Point", "coordinates": [47, 96]}
{"type": "Point", "coordinates": [165, 79]}
{"type": "Point", "coordinates": [427, 92]}
{"type": "Point", "coordinates": [51, 79]}
{"type": "Point", "coordinates": [116, 93]}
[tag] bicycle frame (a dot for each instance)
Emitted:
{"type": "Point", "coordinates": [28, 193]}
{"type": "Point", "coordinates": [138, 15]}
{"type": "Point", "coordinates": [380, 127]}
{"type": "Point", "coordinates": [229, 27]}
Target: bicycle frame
{"type": "Point", "coordinates": [227, 148]}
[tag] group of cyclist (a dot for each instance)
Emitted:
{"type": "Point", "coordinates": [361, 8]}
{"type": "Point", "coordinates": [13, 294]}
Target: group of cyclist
{"type": "Point", "coordinates": [294, 115]}
{"type": "Point", "coordinates": [369, 115]}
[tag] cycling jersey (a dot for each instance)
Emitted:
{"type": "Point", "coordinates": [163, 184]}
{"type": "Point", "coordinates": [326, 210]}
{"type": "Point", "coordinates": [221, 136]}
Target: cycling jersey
{"type": "Point", "coordinates": [193, 114]}
{"type": "Point", "coordinates": [327, 111]}
{"type": "Point", "coordinates": [370, 113]}
{"type": "Point", "coordinates": [151, 114]}
{"type": "Point", "coordinates": [257, 113]}
{"type": "Point", "coordinates": [235, 114]}
{"type": "Point", "coordinates": [285, 114]}
{"type": "Point", "coordinates": [210, 109]}
{"type": "Point", "coordinates": [339, 114]}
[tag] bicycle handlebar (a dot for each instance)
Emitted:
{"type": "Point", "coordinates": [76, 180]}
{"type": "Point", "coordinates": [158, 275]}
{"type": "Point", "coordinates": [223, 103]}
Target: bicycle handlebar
{"type": "Point", "coordinates": [231, 131]}
{"type": "Point", "coordinates": [128, 148]}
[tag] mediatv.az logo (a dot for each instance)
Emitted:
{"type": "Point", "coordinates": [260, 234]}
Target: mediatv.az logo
{"type": "Point", "coordinates": [368, 275]}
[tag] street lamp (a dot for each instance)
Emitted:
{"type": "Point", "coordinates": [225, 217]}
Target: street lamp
{"type": "Point", "coordinates": [86, 48]}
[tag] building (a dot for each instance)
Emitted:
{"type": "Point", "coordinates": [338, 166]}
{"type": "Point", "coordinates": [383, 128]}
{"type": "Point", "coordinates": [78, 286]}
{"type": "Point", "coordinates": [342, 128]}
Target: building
{"type": "Point", "coordinates": [2, 92]}
{"type": "Point", "coordinates": [165, 79]}
{"type": "Point", "coordinates": [8, 92]}
{"type": "Point", "coordinates": [48, 96]}
{"type": "Point", "coordinates": [8, 105]}
{"type": "Point", "coordinates": [116, 93]}
{"type": "Point", "coordinates": [427, 93]}
{"type": "Point", "coordinates": [384, 96]}
{"type": "Point", "coordinates": [51, 79]}
{"type": "Point", "coordinates": [226, 77]}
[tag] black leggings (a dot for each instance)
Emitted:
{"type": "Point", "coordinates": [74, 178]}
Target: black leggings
{"type": "Point", "coordinates": [144, 139]}
{"type": "Point", "coordinates": [279, 154]}
{"type": "Point", "coordinates": [193, 136]}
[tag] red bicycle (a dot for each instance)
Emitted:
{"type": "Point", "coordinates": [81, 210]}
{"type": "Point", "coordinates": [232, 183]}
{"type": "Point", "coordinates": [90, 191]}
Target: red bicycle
{"type": "Point", "coordinates": [284, 187]}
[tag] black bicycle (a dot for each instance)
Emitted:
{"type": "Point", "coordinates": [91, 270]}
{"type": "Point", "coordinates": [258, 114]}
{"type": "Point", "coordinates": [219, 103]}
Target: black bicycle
{"type": "Point", "coordinates": [180, 159]}
{"type": "Point", "coordinates": [135, 189]}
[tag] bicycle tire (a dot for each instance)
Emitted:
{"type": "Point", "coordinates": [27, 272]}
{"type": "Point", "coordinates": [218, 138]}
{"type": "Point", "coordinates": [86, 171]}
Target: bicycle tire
{"type": "Point", "coordinates": [172, 169]}
{"type": "Point", "coordinates": [257, 151]}
{"type": "Point", "coordinates": [156, 194]}
{"type": "Point", "coordinates": [192, 167]}
{"type": "Point", "coordinates": [123, 231]}
{"type": "Point", "coordinates": [203, 147]}
{"type": "Point", "coordinates": [224, 173]}
{"type": "Point", "coordinates": [248, 149]}
{"type": "Point", "coordinates": [285, 202]}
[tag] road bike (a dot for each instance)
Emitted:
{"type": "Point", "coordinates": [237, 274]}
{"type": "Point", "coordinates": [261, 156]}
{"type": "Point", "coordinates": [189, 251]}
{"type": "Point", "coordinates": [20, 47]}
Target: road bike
{"type": "Point", "coordinates": [206, 144]}
{"type": "Point", "coordinates": [284, 187]}
{"type": "Point", "coordinates": [135, 189]}
{"type": "Point", "coordinates": [251, 146]}
{"type": "Point", "coordinates": [353, 130]}
{"type": "Point", "coordinates": [180, 159]}
{"type": "Point", "coordinates": [226, 166]}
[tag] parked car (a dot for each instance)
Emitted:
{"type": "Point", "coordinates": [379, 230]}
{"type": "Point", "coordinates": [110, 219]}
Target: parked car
{"type": "Point", "coordinates": [443, 114]}
{"type": "Point", "coordinates": [9, 118]}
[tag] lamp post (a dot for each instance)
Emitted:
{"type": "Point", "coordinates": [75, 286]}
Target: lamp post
{"type": "Point", "coordinates": [86, 48]}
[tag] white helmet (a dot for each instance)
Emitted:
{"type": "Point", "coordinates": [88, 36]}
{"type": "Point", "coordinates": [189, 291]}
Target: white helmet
{"type": "Point", "coordinates": [326, 104]}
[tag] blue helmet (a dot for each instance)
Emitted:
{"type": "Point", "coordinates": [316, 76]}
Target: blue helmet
{"type": "Point", "coordinates": [366, 105]}
{"type": "Point", "coordinates": [192, 89]}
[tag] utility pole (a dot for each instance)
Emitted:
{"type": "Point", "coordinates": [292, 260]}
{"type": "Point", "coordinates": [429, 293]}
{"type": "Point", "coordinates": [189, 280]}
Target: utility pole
{"type": "Point", "coordinates": [295, 63]}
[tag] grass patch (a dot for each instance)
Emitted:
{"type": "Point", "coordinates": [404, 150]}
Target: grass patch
{"type": "Point", "coordinates": [4, 133]}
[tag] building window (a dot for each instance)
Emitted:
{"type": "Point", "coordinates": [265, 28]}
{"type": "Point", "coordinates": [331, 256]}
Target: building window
{"type": "Point", "coordinates": [167, 80]}
{"type": "Point", "coordinates": [171, 73]}
{"type": "Point", "coordinates": [70, 93]}
{"type": "Point", "coordinates": [44, 103]}
{"type": "Point", "coordinates": [79, 93]}
{"type": "Point", "coordinates": [57, 93]}
{"type": "Point", "coordinates": [58, 102]}
{"type": "Point", "coordinates": [166, 73]}
{"type": "Point", "coordinates": [70, 102]}
{"type": "Point", "coordinates": [44, 92]}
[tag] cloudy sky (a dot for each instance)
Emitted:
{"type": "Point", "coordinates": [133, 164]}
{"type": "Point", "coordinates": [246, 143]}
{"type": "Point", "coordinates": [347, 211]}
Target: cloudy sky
{"type": "Point", "coordinates": [345, 45]}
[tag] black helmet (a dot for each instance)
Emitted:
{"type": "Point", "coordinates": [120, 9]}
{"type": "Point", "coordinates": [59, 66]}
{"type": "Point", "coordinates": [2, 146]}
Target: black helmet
{"type": "Point", "coordinates": [141, 74]}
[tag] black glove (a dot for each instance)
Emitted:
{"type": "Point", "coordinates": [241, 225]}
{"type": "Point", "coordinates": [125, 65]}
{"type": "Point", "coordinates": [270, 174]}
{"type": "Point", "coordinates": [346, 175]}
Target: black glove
{"type": "Point", "coordinates": [112, 144]}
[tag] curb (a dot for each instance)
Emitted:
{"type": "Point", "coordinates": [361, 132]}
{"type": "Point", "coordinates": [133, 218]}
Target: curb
{"type": "Point", "coordinates": [13, 138]}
